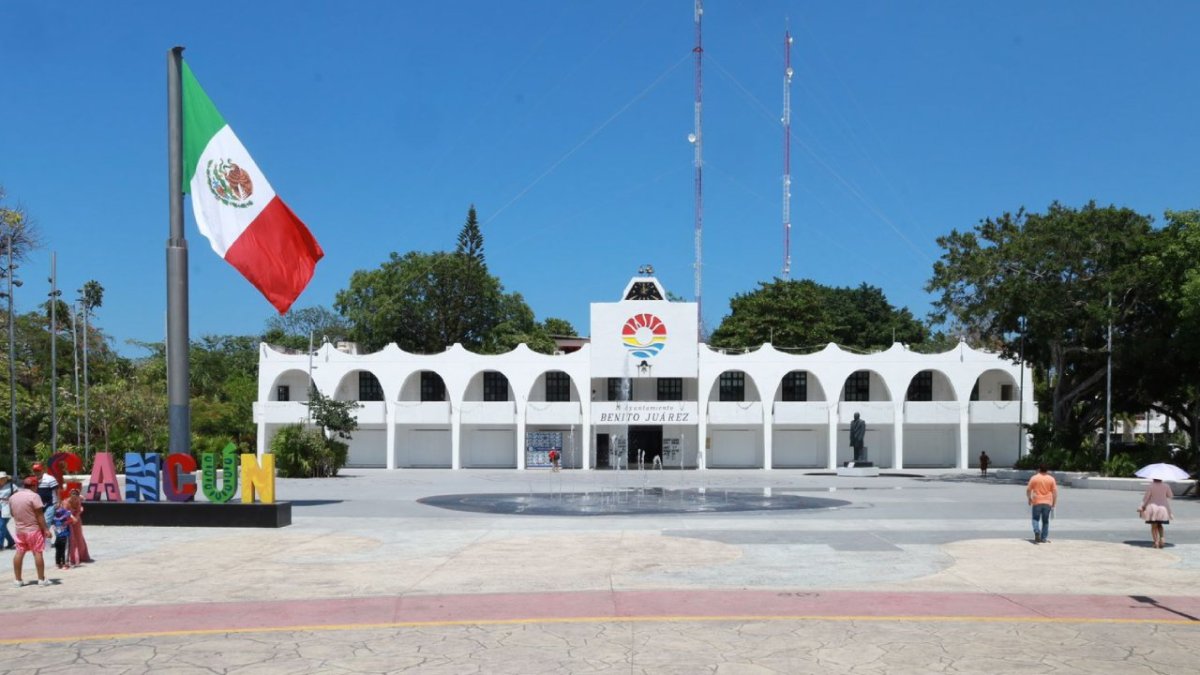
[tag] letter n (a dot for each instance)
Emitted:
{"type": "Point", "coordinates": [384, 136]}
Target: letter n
{"type": "Point", "coordinates": [141, 476]}
{"type": "Point", "coordinates": [260, 479]}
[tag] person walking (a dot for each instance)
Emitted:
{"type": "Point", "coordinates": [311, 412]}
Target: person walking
{"type": "Point", "coordinates": [29, 515]}
{"type": "Point", "coordinates": [1042, 494]}
{"type": "Point", "coordinates": [6, 490]}
{"type": "Point", "coordinates": [1156, 510]}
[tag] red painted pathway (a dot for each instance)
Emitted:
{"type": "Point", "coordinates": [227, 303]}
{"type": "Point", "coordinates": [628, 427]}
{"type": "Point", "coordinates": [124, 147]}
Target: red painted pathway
{"type": "Point", "coordinates": [599, 606]}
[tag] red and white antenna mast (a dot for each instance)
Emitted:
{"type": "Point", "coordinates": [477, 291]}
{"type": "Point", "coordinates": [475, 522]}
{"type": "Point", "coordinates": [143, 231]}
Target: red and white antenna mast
{"type": "Point", "coordinates": [697, 139]}
{"type": "Point", "coordinates": [787, 154]}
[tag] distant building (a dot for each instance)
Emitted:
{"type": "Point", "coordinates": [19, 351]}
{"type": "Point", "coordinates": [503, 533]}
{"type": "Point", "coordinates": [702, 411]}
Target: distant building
{"type": "Point", "coordinates": [643, 387]}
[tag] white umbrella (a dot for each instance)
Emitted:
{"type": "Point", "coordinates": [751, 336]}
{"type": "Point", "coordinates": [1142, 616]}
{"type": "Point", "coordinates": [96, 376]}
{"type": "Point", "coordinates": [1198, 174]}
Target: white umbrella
{"type": "Point", "coordinates": [1162, 472]}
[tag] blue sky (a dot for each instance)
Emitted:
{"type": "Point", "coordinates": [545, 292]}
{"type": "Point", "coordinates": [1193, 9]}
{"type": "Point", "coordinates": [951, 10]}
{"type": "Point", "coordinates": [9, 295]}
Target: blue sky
{"type": "Point", "coordinates": [566, 124]}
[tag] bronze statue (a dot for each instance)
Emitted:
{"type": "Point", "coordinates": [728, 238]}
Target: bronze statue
{"type": "Point", "coordinates": [858, 432]}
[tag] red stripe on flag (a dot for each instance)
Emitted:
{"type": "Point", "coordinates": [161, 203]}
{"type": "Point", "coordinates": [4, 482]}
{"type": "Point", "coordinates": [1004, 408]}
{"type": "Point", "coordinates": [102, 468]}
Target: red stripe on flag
{"type": "Point", "coordinates": [277, 254]}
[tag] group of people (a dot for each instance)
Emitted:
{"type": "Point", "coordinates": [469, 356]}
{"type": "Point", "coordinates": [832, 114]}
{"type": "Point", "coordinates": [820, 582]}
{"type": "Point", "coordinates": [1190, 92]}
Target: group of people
{"type": "Point", "coordinates": [1042, 494]}
{"type": "Point", "coordinates": [39, 516]}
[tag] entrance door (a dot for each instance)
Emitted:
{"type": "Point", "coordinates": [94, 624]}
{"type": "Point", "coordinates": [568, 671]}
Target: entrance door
{"type": "Point", "coordinates": [647, 439]}
{"type": "Point", "coordinates": [602, 450]}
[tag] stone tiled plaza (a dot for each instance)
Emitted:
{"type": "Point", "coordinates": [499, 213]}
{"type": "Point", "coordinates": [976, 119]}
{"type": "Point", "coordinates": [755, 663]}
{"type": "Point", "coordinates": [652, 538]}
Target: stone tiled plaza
{"type": "Point", "coordinates": [932, 572]}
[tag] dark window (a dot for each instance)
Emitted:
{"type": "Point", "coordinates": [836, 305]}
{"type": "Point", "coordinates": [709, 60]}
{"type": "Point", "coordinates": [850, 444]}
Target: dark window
{"type": "Point", "coordinates": [1006, 392]}
{"type": "Point", "coordinates": [795, 386]}
{"type": "Point", "coordinates": [369, 388]}
{"type": "Point", "coordinates": [432, 387]}
{"type": "Point", "coordinates": [975, 391]}
{"type": "Point", "coordinates": [670, 388]}
{"type": "Point", "coordinates": [283, 393]}
{"type": "Point", "coordinates": [495, 386]}
{"type": "Point", "coordinates": [858, 386]}
{"type": "Point", "coordinates": [614, 388]}
{"type": "Point", "coordinates": [732, 386]}
{"type": "Point", "coordinates": [558, 387]}
{"type": "Point", "coordinates": [921, 387]}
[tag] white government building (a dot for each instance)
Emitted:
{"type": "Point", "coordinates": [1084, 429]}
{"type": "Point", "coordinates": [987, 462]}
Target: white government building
{"type": "Point", "coordinates": [643, 387]}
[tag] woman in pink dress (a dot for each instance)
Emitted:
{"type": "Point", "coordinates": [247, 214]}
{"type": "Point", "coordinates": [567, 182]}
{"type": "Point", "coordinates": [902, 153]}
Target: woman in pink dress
{"type": "Point", "coordinates": [78, 551]}
{"type": "Point", "coordinates": [1156, 510]}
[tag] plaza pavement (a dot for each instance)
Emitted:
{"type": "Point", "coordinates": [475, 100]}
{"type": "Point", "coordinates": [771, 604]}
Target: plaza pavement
{"type": "Point", "coordinates": [929, 572]}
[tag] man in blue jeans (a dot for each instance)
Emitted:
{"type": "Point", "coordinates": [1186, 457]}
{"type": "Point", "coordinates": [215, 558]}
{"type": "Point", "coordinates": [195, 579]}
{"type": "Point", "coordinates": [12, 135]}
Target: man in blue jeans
{"type": "Point", "coordinates": [1042, 493]}
{"type": "Point", "coordinates": [6, 491]}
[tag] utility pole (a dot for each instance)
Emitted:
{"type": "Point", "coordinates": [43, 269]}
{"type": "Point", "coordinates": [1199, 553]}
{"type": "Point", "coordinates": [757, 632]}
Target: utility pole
{"type": "Point", "coordinates": [1108, 388]}
{"type": "Point", "coordinates": [787, 155]}
{"type": "Point", "coordinates": [75, 367]}
{"type": "Point", "coordinates": [697, 139]}
{"type": "Point", "coordinates": [12, 359]}
{"type": "Point", "coordinates": [54, 293]}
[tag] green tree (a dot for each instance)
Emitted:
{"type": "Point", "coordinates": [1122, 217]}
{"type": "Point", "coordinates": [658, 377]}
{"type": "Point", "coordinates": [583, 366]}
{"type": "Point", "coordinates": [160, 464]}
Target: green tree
{"type": "Point", "coordinates": [1049, 278]}
{"type": "Point", "coordinates": [558, 327]}
{"type": "Point", "coordinates": [470, 238]}
{"type": "Point", "coordinates": [293, 329]}
{"type": "Point", "coordinates": [802, 314]}
{"type": "Point", "coordinates": [18, 228]}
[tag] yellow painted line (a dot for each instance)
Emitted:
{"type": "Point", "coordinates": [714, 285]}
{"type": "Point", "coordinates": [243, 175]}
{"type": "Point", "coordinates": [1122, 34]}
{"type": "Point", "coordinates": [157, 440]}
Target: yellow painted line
{"type": "Point", "coordinates": [313, 628]}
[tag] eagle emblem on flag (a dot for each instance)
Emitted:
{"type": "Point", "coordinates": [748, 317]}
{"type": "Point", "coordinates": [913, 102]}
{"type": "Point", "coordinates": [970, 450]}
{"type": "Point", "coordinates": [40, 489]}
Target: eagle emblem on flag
{"type": "Point", "coordinates": [230, 183]}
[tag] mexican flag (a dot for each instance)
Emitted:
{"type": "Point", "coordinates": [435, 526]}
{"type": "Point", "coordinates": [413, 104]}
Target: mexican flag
{"type": "Point", "coordinates": [245, 221]}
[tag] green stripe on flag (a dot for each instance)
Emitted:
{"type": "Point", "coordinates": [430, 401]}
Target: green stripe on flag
{"type": "Point", "coordinates": [201, 122]}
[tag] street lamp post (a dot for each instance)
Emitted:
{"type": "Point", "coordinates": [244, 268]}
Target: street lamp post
{"type": "Point", "coordinates": [54, 293]}
{"type": "Point", "coordinates": [1021, 397]}
{"type": "Point", "coordinates": [12, 359]}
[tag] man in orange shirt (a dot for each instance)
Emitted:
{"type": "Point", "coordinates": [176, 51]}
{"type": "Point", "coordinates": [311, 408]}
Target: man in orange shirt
{"type": "Point", "coordinates": [1042, 493]}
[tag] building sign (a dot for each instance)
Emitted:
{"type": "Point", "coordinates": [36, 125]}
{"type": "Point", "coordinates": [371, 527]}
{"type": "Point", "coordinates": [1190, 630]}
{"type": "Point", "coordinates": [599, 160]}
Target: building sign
{"type": "Point", "coordinates": [644, 338]}
{"type": "Point", "coordinates": [644, 335]}
{"type": "Point", "coordinates": [644, 412]}
{"type": "Point", "coordinates": [538, 445]}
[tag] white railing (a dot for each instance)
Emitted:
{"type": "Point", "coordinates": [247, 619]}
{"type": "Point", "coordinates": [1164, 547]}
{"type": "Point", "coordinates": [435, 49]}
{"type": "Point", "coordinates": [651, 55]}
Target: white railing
{"type": "Point", "coordinates": [559, 412]}
{"type": "Point", "coordinates": [874, 412]}
{"type": "Point", "coordinates": [735, 412]}
{"type": "Point", "coordinates": [802, 412]}
{"type": "Point", "coordinates": [489, 412]}
{"type": "Point", "coordinates": [931, 412]}
{"type": "Point", "coordinates": [997, 412]}
{"type": "Point", "coordinates": [422, 412]}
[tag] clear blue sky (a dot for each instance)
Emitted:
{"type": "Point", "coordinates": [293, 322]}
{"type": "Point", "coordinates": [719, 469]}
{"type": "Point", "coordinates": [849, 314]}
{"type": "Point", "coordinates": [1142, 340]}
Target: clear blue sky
{"type": "Point", "coordinates": [566, 124]}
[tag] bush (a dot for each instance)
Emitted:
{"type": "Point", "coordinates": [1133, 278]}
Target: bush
{"type": "Point", "coordinates": [1119, 466]}
{"type": "Point", "coordinates": [303, 452]}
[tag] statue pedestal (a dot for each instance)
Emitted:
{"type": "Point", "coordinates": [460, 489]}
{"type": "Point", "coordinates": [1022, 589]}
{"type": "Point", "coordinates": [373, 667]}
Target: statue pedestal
{"type": "Point", "coordinates": [858, 470]}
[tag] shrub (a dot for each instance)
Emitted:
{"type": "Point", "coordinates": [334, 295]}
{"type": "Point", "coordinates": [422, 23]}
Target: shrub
{"type": "Point", "coordinates": [1119, 466]}
{"type": "Point", "coordinates": [303, 452]}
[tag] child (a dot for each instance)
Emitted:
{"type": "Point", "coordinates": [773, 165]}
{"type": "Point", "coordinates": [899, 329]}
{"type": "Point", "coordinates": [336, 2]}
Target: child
{"type": "Point", "coordinates": [554, 459]}
{"type": "Point", "coordinates": [62, 535]}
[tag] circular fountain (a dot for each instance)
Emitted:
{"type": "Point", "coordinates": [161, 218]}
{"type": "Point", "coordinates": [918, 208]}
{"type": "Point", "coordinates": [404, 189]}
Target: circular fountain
{"type": "Point", "coordinates": [631, 501]}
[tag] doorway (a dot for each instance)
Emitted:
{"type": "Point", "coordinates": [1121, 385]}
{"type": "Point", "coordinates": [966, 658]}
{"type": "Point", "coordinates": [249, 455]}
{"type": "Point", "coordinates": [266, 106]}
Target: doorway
{"type": "Point", "coordinates": [648, 439]}
{"type": "Point", "coordinates": [602, 450]}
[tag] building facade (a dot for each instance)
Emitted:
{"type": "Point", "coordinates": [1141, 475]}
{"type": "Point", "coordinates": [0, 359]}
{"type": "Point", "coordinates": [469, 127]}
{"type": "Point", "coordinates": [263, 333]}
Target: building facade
{"type": "Point", "coordinates": [645, 390]}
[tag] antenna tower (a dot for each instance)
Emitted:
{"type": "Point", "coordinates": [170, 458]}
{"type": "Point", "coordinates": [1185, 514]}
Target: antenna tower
{"type": "Point", "coordinates": [787, 154]}
{"type": "Point", "coordinates": [697, 141]}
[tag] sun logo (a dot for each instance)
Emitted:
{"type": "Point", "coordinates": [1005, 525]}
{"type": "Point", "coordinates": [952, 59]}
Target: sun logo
{"type": "Point", "coordinates": [644, 335]}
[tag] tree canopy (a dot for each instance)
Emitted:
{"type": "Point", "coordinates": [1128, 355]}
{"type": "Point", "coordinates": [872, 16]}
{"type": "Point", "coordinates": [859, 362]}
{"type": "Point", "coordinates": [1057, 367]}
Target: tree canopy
{"type": "Point", "coordinates": [805, 315]}
{"type": "Point", "coordinates": [1048, 285]}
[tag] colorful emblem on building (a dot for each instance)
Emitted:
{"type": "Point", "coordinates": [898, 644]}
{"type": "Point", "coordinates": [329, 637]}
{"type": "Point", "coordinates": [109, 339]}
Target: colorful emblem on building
{"type": "Point", "coordinates": [230, 183]}
{"type": "Point", "coordinates": [644, 335]}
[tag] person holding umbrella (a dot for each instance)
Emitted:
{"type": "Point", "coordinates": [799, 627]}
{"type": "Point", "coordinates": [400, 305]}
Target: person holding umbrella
{"type": "Point", "coordinates": [1156, 502]}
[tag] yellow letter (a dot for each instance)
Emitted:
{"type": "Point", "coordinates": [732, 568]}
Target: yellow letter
{"type": "Point", "coordinates": [258, 479]}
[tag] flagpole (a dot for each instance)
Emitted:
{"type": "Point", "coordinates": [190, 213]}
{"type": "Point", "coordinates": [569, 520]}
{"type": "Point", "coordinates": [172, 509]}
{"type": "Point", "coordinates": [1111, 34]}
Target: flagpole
{"type": "Point", "coordinates": [178, 413]}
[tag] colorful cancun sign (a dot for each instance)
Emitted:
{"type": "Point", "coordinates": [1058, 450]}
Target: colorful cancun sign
{"type": "Point", "coordinates": [147, 474]}
{"type": "Point", "coordinates": [644, 335]}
